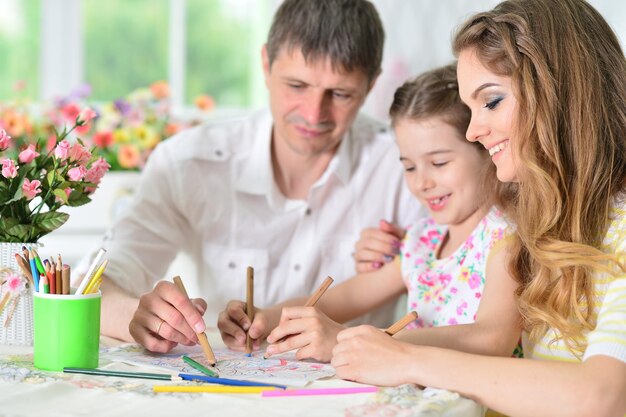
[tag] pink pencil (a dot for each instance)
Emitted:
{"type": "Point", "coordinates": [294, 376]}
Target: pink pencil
{"type": "Point", "coordinates": [318, 391]}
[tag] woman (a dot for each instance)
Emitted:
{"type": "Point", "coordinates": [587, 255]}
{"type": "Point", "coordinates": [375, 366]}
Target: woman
{"type": "Point", "coordinates": [546, 83]}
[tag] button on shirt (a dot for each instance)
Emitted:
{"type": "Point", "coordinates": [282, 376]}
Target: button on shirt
{"type": "Point", "coordinates": [209, 191]}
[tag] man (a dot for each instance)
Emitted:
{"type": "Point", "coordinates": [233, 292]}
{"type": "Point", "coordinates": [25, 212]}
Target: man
{"type": "Point", "coordinates": [286, 191]}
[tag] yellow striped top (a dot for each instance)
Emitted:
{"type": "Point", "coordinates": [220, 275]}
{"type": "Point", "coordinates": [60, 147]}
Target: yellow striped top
{"type": "Point", "coordinates": [609, 336]}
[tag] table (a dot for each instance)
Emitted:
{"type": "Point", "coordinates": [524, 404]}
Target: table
{"type": "Point", "coordinates": [61, 398]}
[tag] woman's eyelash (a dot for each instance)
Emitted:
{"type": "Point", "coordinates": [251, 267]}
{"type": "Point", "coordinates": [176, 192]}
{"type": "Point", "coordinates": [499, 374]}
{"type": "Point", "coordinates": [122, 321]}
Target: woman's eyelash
{"type": "Point", "coordinates": [493, 103]}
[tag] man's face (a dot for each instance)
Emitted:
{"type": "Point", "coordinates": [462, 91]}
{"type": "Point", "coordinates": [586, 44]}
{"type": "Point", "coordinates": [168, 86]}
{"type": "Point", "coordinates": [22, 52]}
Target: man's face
{"type": "Point", "coordinates": [312, 104]}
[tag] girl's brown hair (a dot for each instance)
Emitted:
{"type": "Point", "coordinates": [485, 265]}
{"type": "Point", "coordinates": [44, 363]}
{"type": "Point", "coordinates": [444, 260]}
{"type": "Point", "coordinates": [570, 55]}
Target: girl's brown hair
{"type": "Point", "coordinates": [568, 74]}
{"type": "Point", "coordinates": [435, 94]}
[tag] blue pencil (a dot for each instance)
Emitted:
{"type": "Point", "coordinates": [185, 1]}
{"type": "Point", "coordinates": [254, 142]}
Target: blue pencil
{"type": "Point", "coordinates": [226, 381]}
{"type": "Point", "coordinates": [35, 272]}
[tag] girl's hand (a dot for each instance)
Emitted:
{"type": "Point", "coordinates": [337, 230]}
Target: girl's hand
{"type": "Point", "coordinates": [368, 355]}
{"type": "Point", "coordinates": [377, 246]}
{"type": "Point", "coordinates": [306, 329]}
{"type": "Point", "coordinates": [234, 325]}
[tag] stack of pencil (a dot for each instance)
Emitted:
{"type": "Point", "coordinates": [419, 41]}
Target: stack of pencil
{"type": "Point", "coordinates": [53, 277]}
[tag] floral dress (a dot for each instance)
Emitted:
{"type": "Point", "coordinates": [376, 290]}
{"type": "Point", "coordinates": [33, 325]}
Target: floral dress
{"type": "Point", "coordinates": [447, 291]}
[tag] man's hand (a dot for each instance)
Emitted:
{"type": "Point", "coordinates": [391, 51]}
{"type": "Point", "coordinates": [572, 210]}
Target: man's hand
{"type": "Point", "coordinates": [234, 324]}
{"type": "Point", "coordinates": [165, 317]}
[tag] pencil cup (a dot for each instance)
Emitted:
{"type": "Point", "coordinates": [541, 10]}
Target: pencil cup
{"type": "Point", "coordinates": [67, 331]}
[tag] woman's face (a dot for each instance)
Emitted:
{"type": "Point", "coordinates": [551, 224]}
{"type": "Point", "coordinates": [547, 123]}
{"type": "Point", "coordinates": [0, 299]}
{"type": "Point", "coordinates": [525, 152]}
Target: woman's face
{"type": "Point", "coordinates": [493, 105]}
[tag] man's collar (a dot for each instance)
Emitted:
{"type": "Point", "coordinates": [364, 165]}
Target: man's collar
{"type": "Point", "coordinates": [256, 175]}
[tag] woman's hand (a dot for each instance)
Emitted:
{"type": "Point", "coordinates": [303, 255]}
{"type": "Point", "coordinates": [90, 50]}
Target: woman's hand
{"type": "Point", "coordinates": [368, 355]}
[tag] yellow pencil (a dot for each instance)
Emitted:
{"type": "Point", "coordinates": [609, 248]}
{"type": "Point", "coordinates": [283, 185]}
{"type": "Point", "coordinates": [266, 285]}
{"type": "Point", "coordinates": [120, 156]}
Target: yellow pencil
{"type": "Point", "coordinates": [95, 277]}
{"type": "Point", "coordinates": [211, 388]}
{"type": "Point", "coordinates": [96, 286]}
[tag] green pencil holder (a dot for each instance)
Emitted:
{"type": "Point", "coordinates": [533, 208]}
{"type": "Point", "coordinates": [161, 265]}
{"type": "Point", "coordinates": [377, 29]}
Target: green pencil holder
{"type": "Point", "coordinates": [67, 331]}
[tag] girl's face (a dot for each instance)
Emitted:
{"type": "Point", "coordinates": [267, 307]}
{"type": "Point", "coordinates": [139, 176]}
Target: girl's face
{"type": "Point", "coordinates": [442, 169]}
{"type": "Point", "coordinates": [490, 98]}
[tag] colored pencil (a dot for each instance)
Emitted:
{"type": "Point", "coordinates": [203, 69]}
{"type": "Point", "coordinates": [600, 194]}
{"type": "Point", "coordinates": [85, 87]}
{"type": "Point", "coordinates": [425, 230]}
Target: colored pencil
{"type": "Point", "coordinates": [249, 306]}
{"type": "Point", "coordinates": [38, 262]}
{"type": "Point", "coordinates": [51, 279]}
{"type": "Point", "coordinates": [90, 285]}
{"type": "Point", "coordinates": [24, 267]}
{"type": "Point", "coordinates": [217, 389]}
{"type": "Point", "coordinates": [313, 299]}
{"type": "Point", "coordinates": [227, 381]}
{"type": "Point", "coordinates": [123, 374]}
{"type": "Point", "coordinates": [401, 324]}
{"type": "Point", "coordinates": [90, 271]}
{"type": "Point", "coordinates": [318, 391]}
{"type": "Point", "coordinates": [204, 342]}
{"type": "Point", "coordinates": [34, 271]}
{"type": "Point", "coordinates": [57, 275]}
{"type": "Point", "coordinates": [200, 367]}
{"type": "Point", "coordinates": [65, 279]}
{"type": "Point", "coordinates": [318, 294]}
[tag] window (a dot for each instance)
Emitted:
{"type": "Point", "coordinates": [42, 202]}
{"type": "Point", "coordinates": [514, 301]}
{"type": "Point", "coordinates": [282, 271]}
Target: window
{"type": "Point", "coordinates": [116, 46]}
{"type": "Point", "coordinates": [19, 37]}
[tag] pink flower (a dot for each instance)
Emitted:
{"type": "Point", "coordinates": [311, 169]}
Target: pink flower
{"type": "Point", "coordinates": [62, 150]}
{"type": "Point", "coordinates": [86, 115]}
{"type": "Point", "coordinates": [97, 171]}
{"type": "Point", "coordinates": [103, 139]}
{"type": "Point", "coordinates": [15, 283]}
{"type": "Point", "coordinates": [77, 173]}
{"type": "Point", "coordinates": [28, 154]}
{"type": "Point", "coordinates": [70, 112]}
{"type": "Point", "coordinates": [5, 140]}
{"type": "Point", "coordinates": [51, 142]}
{"type": "Point", "coordinates": [31, 188]}
{"type": "Point", "coordinates": [9, 170]}
{"type": "Point", "coordinates": [474, 280]}
{"type": "Point", "coordinates": [79, 154]}
{"type": "Point", "coordinates": [460, 309]}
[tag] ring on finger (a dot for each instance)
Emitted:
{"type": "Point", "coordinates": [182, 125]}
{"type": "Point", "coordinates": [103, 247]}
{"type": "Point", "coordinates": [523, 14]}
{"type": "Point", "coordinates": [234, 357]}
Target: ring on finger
{"type": "Point", "coordinates": [159, 326]}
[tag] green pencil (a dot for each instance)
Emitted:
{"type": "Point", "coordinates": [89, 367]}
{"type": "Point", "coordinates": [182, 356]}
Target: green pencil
{"type": "Point", "coordinates": [200, 367]}
{"type": "Point", "coordinates": [142, 375]}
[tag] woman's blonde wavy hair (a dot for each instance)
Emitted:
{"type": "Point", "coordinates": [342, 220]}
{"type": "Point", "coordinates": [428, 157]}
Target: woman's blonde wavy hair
{"type": "Point", "coordinates": [568, 74]}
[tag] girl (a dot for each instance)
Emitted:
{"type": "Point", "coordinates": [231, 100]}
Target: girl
{"type": "Point", "coordinates": [546, 83]}
{"type": "Point", "coordinates": [444, 258]}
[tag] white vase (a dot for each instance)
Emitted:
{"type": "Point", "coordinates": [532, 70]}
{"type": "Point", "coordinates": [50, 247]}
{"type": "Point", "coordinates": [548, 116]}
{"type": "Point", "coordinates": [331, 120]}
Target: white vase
{"type": "Point", "coordinates": [16, 320]}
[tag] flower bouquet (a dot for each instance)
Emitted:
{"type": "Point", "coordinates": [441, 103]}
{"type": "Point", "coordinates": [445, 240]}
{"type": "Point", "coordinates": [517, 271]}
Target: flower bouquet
{"type": "Point", "coordinates": [36, 180]}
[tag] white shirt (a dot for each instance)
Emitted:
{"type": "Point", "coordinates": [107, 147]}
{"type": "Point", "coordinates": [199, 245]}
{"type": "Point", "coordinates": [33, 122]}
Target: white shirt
{"type": "Point", "coordinates": [210, 191]}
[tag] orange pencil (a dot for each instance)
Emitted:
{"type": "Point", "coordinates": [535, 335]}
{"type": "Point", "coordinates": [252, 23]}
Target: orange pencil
{"type": "Point", "coordinates": [50, 275]}
{"type": "Point", "coordinates": [401, 324]}
{"type": "Point", "coordinates": [204, 342]}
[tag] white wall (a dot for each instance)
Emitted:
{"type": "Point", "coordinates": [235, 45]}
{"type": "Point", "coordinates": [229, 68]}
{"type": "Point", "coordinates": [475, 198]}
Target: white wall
{"type": "Point", "coordinates": [419, 34]}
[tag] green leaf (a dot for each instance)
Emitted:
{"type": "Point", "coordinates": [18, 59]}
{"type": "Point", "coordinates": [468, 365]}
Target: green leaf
{"type": "Point", "coordinates": [49, 221]}
{"type": "Point", "coordinates": [50, 178]}
{"type": "Point", "coordinates": [61, 195]}
{"type": "Point", "coordinates": [17, 196]}
{"type": "Point", "coordinates": [19, 232]}
{"type": "Point", "coordinates": [78, 199]}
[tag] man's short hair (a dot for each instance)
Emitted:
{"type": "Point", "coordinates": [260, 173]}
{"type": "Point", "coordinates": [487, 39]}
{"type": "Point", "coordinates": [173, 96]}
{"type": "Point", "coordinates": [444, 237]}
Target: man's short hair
{"type": "Point", "coordinates": [348, 32]}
